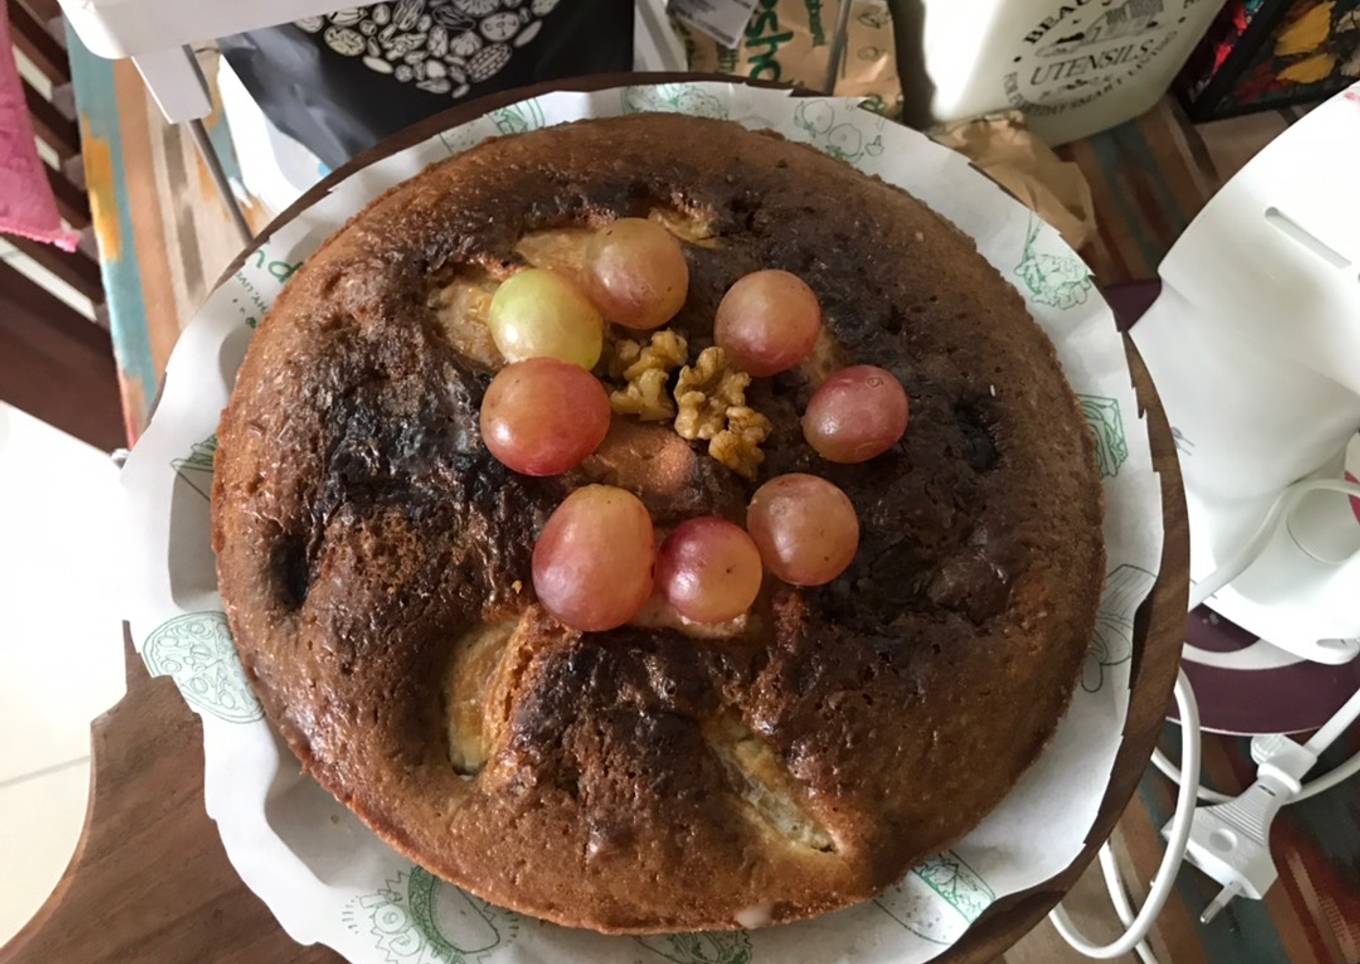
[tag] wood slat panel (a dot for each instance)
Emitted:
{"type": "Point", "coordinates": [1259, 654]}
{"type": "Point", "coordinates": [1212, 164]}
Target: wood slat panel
{"type": "Point", "coordinates": [53, 128]}
{"type": "Point", "coordinates": [52, 325]}
{"type": "Point", "coordinates": [77, 269]}
{"type": "Point", "coordinates": [33, 38]}
{"type": "Point", "coordinates": [63, 98]}
{"type": "Point", "coordinates": [73, 169]}
{"type": "Point", "coordinates": [44, 10]}
{"type": "Point", "coordinates": [72, 203]}
{"type": "Point", "coordinates": [58, 364]}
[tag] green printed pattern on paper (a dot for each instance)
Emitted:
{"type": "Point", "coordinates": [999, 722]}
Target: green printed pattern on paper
{"type": "Point", "coordinates": [519, 118]}
{"type": "Point", "coordinates": [196, 651]}
{"type": "Point", "coordinates": [1112, 643]}
{"type": "Point", "coordinates": [673, 99]}
{"type": "Point", "coordinates": [1057, 280]}
{"type": "Point", "coordinates": [715, 947]}
{"type": "Point", "coordinates": [950, 876]}
{"type": "Point", "coordinates": [421, 919]}
{"type": "Point", "coordinates": [841, 138]}
{"type": "Point", "coordinates": [197, 467]}
{"type": "Point", "coordinates": [279, 270]}
{"type": "Point", "coordinates": [1107, 425]}
{"type": "Point", "coordinates": [939, 899]}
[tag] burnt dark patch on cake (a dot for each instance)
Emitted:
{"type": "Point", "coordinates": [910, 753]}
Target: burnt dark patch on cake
{"type": "Point", "coordinates": [612, 720]}
{"type": "Point", "coordinates": [979, 446]}
{"type": "Point", "coordinates": [400, 437]}
{"type": "Point", "coordinates": [291, 570]}
{"type": "Point", "coordinates": [970, 583]}
{"type": "Point", "coordinates": [824, 686]}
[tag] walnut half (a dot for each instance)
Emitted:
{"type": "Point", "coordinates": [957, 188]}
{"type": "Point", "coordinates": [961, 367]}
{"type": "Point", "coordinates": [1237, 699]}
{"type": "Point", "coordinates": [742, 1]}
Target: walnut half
{"type": "Point", "coordinates": [738, 445]}
{"type": "Point", "coordinates": [705, 391]}
{"type": "Point", "coordinates": [646, 369]}
{"type": "Point", "coordinates": [712, 399]}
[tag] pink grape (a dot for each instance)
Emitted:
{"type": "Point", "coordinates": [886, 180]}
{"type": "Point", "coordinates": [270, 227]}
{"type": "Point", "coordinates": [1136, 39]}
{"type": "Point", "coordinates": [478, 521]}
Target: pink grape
{"type": "Point", "coordinates": [709, 570]}
{"type": "Point", "coordinates": [543, 416]}
{"type": "Point", "coordinates": [592, 564]}
{"type": "Point", "coordinates": [805, 528]}
{"type": "Point", "coordinates": [767, 322]}
{"type": "Point", "coordinates": [856, 414]}
{"type": "Point", "coordinates": [638, 277]}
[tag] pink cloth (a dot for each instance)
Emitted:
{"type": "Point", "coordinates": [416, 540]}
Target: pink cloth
{"type": "Point", "coordinates": [27, 207]}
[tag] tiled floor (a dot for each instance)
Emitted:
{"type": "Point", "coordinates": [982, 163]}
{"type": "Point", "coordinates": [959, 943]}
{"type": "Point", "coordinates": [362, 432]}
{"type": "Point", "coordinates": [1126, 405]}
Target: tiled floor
{"type": "Point", "coordinates": [61, 657]}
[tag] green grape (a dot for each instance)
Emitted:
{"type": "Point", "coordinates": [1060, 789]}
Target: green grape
{"type": "Point", "coordinates": [537, 313]}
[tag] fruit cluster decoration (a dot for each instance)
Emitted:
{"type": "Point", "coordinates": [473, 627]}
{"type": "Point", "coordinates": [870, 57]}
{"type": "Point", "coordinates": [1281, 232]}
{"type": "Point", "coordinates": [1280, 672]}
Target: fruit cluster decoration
{"type": "Point", "coordinates": [596, 562]}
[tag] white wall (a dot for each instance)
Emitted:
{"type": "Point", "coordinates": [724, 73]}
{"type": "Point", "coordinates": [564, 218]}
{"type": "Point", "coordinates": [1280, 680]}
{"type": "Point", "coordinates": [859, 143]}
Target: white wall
{"type": "Point", "coordinates": [61, 651]}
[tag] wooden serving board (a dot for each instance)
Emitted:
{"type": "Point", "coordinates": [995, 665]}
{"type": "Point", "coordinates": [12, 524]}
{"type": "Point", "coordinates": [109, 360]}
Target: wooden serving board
{"type": "Point", "coordinates": [150, 881]}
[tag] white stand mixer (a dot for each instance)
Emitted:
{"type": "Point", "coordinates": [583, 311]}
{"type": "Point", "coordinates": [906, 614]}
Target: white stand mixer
{"type": "Point", "coordinates": [1254, 346]}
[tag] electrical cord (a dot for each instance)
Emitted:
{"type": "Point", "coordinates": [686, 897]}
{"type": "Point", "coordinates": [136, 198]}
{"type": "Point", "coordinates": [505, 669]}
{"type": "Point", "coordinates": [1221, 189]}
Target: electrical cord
{"type": "Point", "coordinates": [1137, 926]}
{"type": "Point", "coordinates": [1281, 763]}
{"type": "Point", "coordinates": [1312, 788]}
{"type": "Point", "coordinates": [1179, 836]}
{"type": "Point", "coordinates": [1238, 562]}
{"type": "Point", "coordinates": [1114, 884]}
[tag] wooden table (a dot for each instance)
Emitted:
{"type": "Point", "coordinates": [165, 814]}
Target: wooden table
{"type": "Point", "coordinates": [150, 881]}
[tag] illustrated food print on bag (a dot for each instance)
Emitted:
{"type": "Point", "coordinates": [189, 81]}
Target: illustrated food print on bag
{"type": "Point", "coordinates": [789, 41]}
{"type": "Point", "coordinates": [342, 81]}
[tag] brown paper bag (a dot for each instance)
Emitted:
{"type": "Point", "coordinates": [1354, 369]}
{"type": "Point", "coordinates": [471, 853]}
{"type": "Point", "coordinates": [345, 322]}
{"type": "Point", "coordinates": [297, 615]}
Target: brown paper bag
{"type": "Point", "coordinates": [1005, 150]}
{"type": "Point", "coordinates": [790, 41]}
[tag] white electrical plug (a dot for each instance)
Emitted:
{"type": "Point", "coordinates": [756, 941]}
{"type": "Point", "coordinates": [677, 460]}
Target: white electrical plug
{"type": "Point", "coordinates": [1231, 841]}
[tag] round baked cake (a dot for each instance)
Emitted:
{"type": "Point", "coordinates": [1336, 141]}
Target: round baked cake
{"type": "Point", "coordinates": [666, 775]}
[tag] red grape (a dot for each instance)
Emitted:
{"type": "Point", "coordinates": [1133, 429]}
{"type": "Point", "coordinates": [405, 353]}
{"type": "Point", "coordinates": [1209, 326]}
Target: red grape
{"type": "Point", "coordinates": [593, 560]}
{"type": "Point", "coordinates": [709, 570]}
{"type": "Point", "coordinates": [805, 527]}
{"type": "Point", "coordinates": [637, 273]}
{"type": "Point", "coordinates": [857, 413]}
{"type": "Point", "coordinates": [543, 416]}
{"type": "Point", "coordinates": [767, 322]}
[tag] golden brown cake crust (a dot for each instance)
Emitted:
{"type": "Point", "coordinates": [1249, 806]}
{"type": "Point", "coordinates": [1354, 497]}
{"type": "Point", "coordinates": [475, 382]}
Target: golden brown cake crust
{"type": "Point", "coordinates": [640, 780]}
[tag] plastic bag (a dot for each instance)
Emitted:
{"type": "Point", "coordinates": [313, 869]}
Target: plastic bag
{"type": "Point", "coordinates": [341, 82]}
